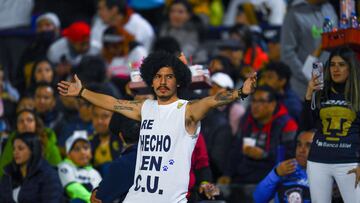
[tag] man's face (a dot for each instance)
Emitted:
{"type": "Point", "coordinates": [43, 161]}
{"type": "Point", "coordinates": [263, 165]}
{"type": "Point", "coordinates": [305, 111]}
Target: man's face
{"type": "Point", "coordinates": [45, 25]}
{"type": "Point", "coordinates": [106, 14]}
{"type": "Point", "coordinates": [81, 47]}
{"type": "Point", "coordinates": [272, 79]}
{"type": "Point", "coordinates": [80, 153]}
{"type": "Point", "coordinates": [101, 120]}
{"type": "Point", "coordinates": [274, 51]}
{"type": "Point", "coordinates": [261, 107]}
{"type": "Point", "coordinates": [44, 99]}
{"type": "Point", "coordinates": [164, 84]}
{"type": "Point", "coordinates": [215, 88]}
{"type": "Point", "coordinates": [303, 147]}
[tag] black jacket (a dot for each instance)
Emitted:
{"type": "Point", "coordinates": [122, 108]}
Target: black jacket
{"type": "Point", "coordinates": [41, 185]}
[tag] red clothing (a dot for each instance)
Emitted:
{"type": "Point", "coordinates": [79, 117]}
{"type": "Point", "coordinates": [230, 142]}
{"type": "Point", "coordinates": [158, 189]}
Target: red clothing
{"type": "Point", "coordinates": [199, 160]}
{"type": "Point", "coordinates": [259, 59]}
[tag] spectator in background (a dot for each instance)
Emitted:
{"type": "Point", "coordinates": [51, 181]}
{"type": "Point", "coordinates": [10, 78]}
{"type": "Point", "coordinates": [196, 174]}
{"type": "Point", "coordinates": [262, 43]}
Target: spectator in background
{"type": "Point", "coordinates": [122, 54]}
{"type": "Point", "coordinates": [25, 102]}
{"type": "Point", "coordinates": [78, 115]}
{"type": "Point", "coordinates": [120, 177]}
{"type": "Point", "coordinates": [254, 56]}
{"type": "Point", "coordinates": [216, 126]}
{"type": "Point", "coordinates": [15, 20]}
{"type": "Point", "coordinates": [200, 184]}
{"type": "Point", "coordinates": [288, 180]}
{"type": "Point", "coordinates": [277, 75]}
{"type": "Point", "coordinates": [273, 12]}
{"type": "Point", "coordinates": [8, 98]}
{"type": "Point", "coordinates": [301, 36]}
{"type": "Point", "coordinates": [45, 106]}
{"type": "Point", "coordinates": [186, 28]}
{"type": "Point", "coordinates": [106, 146]}
{"type": "Point", "coordinates": [28, 122]}
{"type": "Point", "coordinates": [47, 31]}
{"type": "Point", "coordinates": [219, 64]}
{"type": "Point", "coordinates": [42, 72]}
{"type": "Point", "coordinates": [77, 176]}
{"type": "Point", "coordinates": [332, 107]}
{"type": "Point", "coordinates": [29, 178]}
{"type": "Point", "coordinates": [272, 38]}
{"type": "Point", "coordinates": [266, 136]}
{"type": "Point", "coordinates": [234, 52]}
{"type": "Point", "coordinates": [116, 13]}
{"type": "Point", "coordinates": [67, 51]}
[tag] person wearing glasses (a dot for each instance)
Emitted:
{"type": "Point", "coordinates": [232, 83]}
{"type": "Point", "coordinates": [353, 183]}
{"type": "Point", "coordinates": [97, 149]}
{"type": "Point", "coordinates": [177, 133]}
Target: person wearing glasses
{"type": "Point", "coordinates": [266, 136]}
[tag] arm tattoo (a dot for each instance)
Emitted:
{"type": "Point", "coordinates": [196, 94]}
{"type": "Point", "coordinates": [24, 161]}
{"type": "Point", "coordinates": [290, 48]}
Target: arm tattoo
{"type": "Point", "coordinates": [224, 97]}
{"type": "Point", "coordinates": [122, 105]}
{"type": "Point", "coordinates": [118, 108]}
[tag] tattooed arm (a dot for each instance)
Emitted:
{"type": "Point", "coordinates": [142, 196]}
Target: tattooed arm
{"type": "Point", "coordinates": [196, 110]}
{"type": "Point", "coordinates": [130, 109]}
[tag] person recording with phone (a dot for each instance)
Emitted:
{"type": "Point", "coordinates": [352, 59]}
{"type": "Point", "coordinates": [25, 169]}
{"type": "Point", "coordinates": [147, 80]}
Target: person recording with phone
{"type": "Point", "coordinates": [332, 106]}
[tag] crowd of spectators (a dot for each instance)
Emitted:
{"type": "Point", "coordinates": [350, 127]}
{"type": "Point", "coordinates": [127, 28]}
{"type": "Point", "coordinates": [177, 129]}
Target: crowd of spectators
{"type": "Point", "coordinates": [58, 149]}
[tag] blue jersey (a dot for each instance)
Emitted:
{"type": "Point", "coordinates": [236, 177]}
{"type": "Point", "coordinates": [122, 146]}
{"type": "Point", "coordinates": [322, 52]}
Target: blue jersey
{"type": "Point", "coordinates": [288, 189]}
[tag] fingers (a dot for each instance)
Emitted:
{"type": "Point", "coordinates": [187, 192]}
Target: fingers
{"type": "Point", "coordinates": [76, 78]}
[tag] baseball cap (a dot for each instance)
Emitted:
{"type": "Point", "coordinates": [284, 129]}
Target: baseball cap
{"type": "Point", "coordinates": [77, 31]}
{"type": "Point", "coordinates": [77, 135]}
{"type": "Point", "coordinates": [223, 80]}
{"type": "Point", "coordinates": [52, 17]}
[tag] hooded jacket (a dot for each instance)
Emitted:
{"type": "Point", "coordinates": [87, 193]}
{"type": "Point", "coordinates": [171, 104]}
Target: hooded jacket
{"type": "Point", "coordinates": [51, 151]}
{"type": "Point", "coordinates": [279, 131]}
{"type": "Point", "coordinates": [301, 35]}
{"type": "Point", "coordinates": [42, 184]}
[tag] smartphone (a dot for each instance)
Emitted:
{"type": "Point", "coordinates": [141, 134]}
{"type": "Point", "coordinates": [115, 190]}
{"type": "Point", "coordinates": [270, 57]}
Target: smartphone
{"type": "Point", "coordinates": [318, 70]}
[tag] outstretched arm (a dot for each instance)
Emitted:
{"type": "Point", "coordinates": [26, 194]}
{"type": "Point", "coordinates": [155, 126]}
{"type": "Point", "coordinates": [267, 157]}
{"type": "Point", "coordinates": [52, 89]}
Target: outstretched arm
{"type": "Point", "coordinates": [130, 109]}
{"type": "Point", "coordinates": [197, 110]}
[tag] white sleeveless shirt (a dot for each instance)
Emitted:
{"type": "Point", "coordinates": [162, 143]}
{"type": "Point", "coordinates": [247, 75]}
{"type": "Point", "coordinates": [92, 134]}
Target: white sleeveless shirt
{"type": "Point", "coordinates": [163, 155]}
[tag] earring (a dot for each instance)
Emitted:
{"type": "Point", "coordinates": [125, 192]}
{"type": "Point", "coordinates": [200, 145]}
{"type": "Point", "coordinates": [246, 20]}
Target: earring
{"type": "Point", "coordinates": [178, 85]}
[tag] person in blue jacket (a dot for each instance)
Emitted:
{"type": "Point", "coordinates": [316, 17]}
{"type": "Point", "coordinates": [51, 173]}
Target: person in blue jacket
{"type": "Point", "coordinates": [120, 176]}
{"type": "Point", "coordinates": [288, 182]}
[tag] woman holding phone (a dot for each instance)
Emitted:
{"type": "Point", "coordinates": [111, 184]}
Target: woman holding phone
{"type": "Point", "coordinates": [334, 153]}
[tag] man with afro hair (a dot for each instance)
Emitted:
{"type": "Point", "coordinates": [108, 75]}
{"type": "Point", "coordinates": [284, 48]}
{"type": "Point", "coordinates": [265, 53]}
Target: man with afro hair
{"type": "Point", "coordinates": [169, 126]}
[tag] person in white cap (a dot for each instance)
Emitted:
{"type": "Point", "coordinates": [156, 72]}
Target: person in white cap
{"type": "Point", "coordinates": [222, 82]}
{"type": "Point", "coordinates": [48, 22]}
{"type": "Point", "coordinates": [47, 31]}
{"type": "Point", "coordinates": [216, 126]}
{"type": "Point", "coordinates": [76, 174]}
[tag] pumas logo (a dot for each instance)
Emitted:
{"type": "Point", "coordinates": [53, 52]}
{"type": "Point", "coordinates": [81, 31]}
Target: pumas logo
{"type": "Point", "coordinates": [180, 104]}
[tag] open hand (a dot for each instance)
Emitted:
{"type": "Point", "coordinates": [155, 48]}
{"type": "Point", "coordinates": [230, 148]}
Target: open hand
{"type": "Point", "coordinates": [357, 174]}
{"type": "Point", "coordinates": [250, 84]}
{"type": "Point", "coordinates": [70, 88]}
{"type": "Point", "coordinates": [286, 167]}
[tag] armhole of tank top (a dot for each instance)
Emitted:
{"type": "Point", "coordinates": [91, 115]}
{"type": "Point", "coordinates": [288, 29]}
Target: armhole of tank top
{"type": "Point", "coordinates": [143, 106]}
{"type": "Point", "coordinates": [198, 125]}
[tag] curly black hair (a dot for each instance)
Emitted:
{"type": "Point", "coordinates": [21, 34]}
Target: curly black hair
{"type": "Point", "coordinates": [157, 60]}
